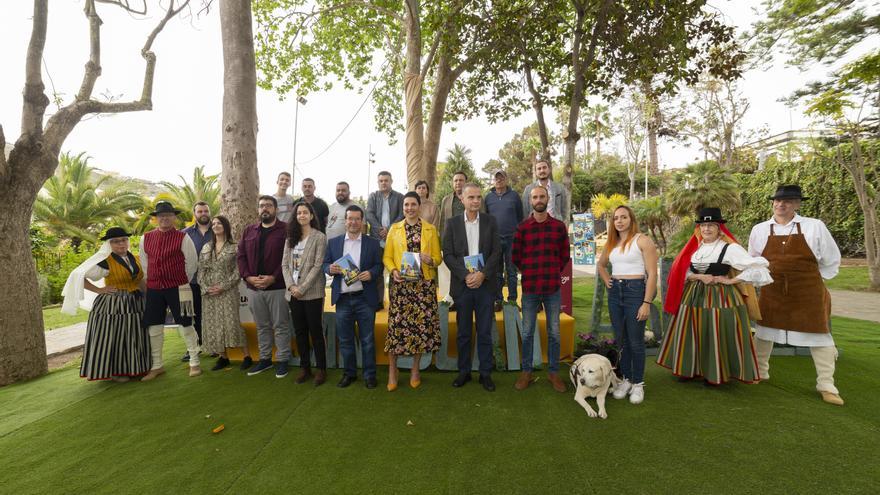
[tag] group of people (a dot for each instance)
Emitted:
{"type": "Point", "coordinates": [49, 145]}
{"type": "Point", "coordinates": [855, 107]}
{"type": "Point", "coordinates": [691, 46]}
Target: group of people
{"type": "Point", "coordinates": [469, 246]}
{"type": "Point", "coordinates": [712, 297]}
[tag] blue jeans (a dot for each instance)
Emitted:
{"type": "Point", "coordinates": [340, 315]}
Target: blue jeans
{"type": "Point", "coordinates": [508, 267]}
{"type": "Point", "coordinates": [351, 309]}
{"type": "Point", "coordinates": [624, 299]}
{"type": "Point", "coordinates": [530, 305]}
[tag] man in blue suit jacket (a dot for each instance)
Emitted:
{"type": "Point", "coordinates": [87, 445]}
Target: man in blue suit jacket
{"type": "Point", "coordinates": [356, 302]}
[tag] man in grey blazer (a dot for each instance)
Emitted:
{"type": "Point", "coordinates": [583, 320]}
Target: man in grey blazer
{"type": "Point", "coordinates": [473, 288]}
{"type": "Point", "coordinates": [384, 207]}
{"type": "Point", "coordinates": [558, 206]}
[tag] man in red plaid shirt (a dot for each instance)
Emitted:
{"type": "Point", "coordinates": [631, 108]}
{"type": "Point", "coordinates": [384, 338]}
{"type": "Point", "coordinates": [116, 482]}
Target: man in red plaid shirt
{"type": "Point", "coordinates": [540, 251]}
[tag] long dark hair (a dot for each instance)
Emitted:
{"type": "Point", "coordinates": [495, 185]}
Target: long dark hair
{"type": "Point", "coordinates": [227, 229]}
{"type": "Point", "coordinates": [294, 231]}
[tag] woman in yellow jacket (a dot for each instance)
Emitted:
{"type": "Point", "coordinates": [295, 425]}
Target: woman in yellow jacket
{"type": "Point", "coordinates": [412, 253]}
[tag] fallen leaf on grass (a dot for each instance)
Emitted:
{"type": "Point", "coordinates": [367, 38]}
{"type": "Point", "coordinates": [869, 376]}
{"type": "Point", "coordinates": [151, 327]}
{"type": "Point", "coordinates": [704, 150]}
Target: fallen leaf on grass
{"type": "Point", "coordinates": [207, 416]}
{"type": "Point", "coordinates": [410, 423]}
{"type": "Point", "coordinates": [218, 429]}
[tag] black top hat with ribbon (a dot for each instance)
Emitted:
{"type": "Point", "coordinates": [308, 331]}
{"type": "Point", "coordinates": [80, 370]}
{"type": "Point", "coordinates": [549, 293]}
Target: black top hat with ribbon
{"type": "Point", "coordinates": [164, 207]}
{"type": "Point", "coordinates": [788, 191]}
{"type": "Point", "coordinates": [710, 215]}
{"type": "Point", "coordinates": [114, 232]}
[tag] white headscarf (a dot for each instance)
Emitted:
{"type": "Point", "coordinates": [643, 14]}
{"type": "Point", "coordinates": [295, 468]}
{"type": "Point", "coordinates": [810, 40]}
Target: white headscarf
{"type": "Point", "coordinates": [74, 288]}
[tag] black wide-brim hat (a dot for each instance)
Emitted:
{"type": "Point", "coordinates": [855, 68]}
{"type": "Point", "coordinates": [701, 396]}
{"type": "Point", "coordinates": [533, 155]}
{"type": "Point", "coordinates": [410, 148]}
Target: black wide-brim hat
{"type": "Point", "coordinates": [114, 232]}
{"type": "Point", "coordinates": [164, 207]}
{"type": "Point", "coordinates": [710, 215]}
{"type": "Point", "coordinates": [788, 191]}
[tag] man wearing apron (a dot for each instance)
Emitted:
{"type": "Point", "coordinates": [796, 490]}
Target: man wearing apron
{"type": "Point", "coordinates": [796, 307]}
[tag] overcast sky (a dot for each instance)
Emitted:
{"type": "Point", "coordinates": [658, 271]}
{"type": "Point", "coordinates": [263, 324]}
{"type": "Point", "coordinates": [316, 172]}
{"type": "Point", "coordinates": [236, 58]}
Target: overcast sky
{"type": "Point", "coordinates": [183, 130]}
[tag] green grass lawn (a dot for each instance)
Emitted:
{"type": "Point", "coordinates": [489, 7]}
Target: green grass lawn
{"type": "Point", "coordinates": [53, 318]}
{"type": "Point", "coordinates": [850, 278]}
{"type": "Point", "coordinates": [62, 434]}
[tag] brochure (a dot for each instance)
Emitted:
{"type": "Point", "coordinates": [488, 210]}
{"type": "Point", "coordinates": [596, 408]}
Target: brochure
{"type": "Point", "coordinates": [349, 268]}
{"type": "Point", "coordinates": [474, 263]}
{"type": "Point", "coordinates": [411, 266]}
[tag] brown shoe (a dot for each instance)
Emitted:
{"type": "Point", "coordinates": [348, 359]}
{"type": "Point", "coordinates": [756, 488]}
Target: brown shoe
{"type": "Point", "coordinates": [523, 381]}
{"type": "Point", "coordinates": [558, 384]}
{"type": "Point", "coordinates": [832, 398]}
{"type": "Point", "coordinates": [320, 377]}
{"type": "Point", "coordinates": [303, 375]}
{"type": "Point", "coordinates": [195, 371]}
{"type": "Point", "coordinates": [153, 374]}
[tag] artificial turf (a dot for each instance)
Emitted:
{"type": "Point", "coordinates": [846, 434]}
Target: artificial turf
{"type": "Point", "coordinates": [62, 434]}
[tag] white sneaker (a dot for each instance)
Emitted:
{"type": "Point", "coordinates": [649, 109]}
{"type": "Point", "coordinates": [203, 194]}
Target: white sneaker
{"type": "Point", "coordinates": [622, 389]}
{"type": "Point", "coordinates": [637, 394]}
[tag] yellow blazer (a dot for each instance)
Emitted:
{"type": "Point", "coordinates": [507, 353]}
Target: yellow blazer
{"type": "Point", "coordinates": [395, 246]}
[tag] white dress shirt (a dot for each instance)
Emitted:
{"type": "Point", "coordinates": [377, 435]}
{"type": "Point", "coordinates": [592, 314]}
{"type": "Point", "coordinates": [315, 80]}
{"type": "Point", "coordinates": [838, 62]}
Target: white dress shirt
{"type": "Point", "coordinates": [472, 230]}
{"type": "Point", "coordinates": [352, 247]}
{"type": "Point", "coordinates": [827, 255]}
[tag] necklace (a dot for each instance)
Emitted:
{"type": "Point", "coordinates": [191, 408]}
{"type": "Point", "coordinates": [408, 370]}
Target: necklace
{"type": "Point", "coordinates": [709, 255]}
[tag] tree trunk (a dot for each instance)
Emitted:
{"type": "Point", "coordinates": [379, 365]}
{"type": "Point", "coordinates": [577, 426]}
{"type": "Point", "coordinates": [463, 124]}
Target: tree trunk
{"type": "Point", "coordinates": [856, 167]}
{"type": "Point", "coordinates": [538, 105]}
{"type": "Point", "coordinates": [239, 184]}
{"type": "Point", "coordinates": [653, 158]}
{"type": "Point", "coordinates": [22, 337]}
{"type": "Point", "coordinates": [442, 86]}
{"type": "Point", "coordinates": [412, 94]}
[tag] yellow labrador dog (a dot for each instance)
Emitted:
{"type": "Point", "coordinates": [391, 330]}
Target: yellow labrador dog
{"type": "Point", "coordinates": [593, 376]}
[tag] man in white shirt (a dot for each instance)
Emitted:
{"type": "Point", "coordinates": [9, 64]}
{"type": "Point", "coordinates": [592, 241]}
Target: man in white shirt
{"type": "Point", "coordinates": [285, 201]}
{"type": "Point", "coordinates": [336, 218]}
{"type": "Point", "coordinates": [796, 307]}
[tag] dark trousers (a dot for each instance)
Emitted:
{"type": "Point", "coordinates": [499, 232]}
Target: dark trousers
{"type": "Point", "coordinates": [308, 324]}
{"type": "Point", "coordinates": [197, 307]}
{"type": "Point", "coordinates": [157, 301]}
{"type": "Point", "coordinates": [470, 303]}
{"type": "Point", "coordinates": [508, 272]}
{"type": "Point", "coordinates": [351, 309]}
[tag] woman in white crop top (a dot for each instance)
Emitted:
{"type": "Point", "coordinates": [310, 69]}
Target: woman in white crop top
{"type": "Point", "coordinates": [632, 285]}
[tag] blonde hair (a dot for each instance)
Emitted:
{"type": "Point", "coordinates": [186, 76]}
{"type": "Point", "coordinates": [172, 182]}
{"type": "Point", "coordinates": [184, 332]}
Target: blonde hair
{"type": "Point", "coordinates": [614, 237]}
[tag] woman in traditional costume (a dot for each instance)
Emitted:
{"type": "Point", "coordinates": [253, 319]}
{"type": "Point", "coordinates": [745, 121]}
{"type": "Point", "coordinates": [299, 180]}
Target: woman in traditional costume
{"type": "Point", "coordinates": [116, 347]}
{"type": "Point", "coordinates": [712, 297]}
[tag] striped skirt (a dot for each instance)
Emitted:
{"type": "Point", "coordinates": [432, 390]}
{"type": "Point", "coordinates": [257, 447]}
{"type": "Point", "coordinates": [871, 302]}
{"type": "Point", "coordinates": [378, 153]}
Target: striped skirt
{"type": "Point", "coordinates": [710, 336]}
{"type": "Point", "coordinates": [116, 343]}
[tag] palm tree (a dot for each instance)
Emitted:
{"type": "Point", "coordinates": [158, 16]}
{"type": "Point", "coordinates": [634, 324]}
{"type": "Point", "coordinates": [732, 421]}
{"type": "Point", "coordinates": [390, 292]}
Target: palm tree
{"type": "Point", "coordinates": [598, 126]}
{"type": "Point", "coordinates": [701, 185]}
{"type": "Point", "coordinates": [203, 188]}
{"type": "Point", "coordinates": [651, 213]}
{"type": "Point", "coordinates": [603, 205]}
{"type": "Point", "coordinates": [78, 205]}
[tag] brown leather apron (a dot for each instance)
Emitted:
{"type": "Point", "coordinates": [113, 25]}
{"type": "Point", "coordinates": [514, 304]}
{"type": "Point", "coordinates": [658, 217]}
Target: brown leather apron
{"type": "Point", "coordinates": [797, 299]}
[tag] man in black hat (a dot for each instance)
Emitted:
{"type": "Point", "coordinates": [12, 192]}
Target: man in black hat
{"type": "Point", "coordinates": [169, 260]}
{"type": "Point", "coordinates": [796, 307]}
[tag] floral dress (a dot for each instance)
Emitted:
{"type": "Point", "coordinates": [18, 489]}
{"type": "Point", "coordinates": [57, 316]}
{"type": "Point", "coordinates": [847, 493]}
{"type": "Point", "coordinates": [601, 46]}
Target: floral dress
{"type": "Point", "coordinates": [413, 319]}
{"type": "Point", "coordinates": [221, 327]}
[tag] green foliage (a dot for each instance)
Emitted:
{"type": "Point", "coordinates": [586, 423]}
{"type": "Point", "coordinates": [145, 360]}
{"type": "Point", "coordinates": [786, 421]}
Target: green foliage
{"type": "Point", "coordinates": [457, 158]}
{"type": "Point", "coordinates": [517, 158]}
{"type": "Point", "coordinates": [202, 188]}
{"type": "Point", "coordinates": [829, 187]}
{"type": "Point", "coordinates": [703, 184]}
{"type": "Point", "coordinates": [653, 217]}
{"type": "Point", "coordinates": [57, 275]}
{"type": "Point", "coordinates": [608, 176]}
{"type": "Point", "coordinates": [79, 205]}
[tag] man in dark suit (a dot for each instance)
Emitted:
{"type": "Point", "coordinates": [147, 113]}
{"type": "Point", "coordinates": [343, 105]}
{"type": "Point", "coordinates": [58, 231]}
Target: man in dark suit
{"type": "Point", "coordinates": [465, 235]}
{"type": "Point", "coordinates": [355, 302]}
{"type": "Point", "coordinates": [384, 207]}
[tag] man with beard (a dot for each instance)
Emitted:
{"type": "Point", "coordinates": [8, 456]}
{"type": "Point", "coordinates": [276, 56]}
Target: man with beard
{"type": "Point", "coordinates": [336, 218]}
{"type": "Point", "coordinates": [318, 204]}
{"type": "Point", "coordinates": [259, 264]}
{"type": "Point", "coordinates": [557, 205]}
{"type": "Point", "coordinates": [169, 259]}
{"type": "Point", "coordinates": [541, 251]}
{"type": "Point", "coordinates": [384, 208]}
{"type": "Point", "coordinates": [200, 232]}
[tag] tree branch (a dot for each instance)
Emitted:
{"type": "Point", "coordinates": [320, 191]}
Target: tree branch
{"type": "Point", "coordinates": [126, 5]}
{"type": "Point", "coordinates": [93, 66]}
{"type": "Point", "coordinates": [432, 52]}
{"type": "Point", "coordinates": [2, 151]}
{"type": "Point", "coordinates": [63, 122]}
{"type": "Point", "coordinates": [35, 100]}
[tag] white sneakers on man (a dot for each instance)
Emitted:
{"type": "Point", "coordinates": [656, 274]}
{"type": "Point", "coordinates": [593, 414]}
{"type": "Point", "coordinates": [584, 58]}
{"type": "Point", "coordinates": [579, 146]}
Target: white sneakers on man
{"type": "Point", "coordinates": [637, 393]}
{"type": "Point", "coordinates": [622, 389]}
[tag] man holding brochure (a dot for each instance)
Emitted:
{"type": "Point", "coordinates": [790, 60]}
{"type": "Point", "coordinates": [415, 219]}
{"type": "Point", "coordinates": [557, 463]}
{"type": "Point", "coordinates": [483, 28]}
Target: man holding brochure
{"type": "Point", "coordinates": [355, 262]}
{"type": "Point", "coordinates": [472, 240]}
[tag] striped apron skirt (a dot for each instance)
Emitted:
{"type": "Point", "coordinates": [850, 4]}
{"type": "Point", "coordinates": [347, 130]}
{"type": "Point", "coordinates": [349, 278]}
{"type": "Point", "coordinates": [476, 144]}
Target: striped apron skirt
{"type": "Point", "coordinates": [116, 343]}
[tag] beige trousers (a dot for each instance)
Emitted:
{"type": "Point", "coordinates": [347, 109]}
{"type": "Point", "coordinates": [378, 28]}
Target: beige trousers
{"type": "Point", "coordinates": [157, 340]}
{"type": "Point", "coordinates": [823, 359]}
